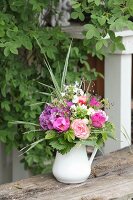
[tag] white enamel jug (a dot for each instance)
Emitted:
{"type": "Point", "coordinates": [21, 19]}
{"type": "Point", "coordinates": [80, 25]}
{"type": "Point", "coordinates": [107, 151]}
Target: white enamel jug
{"type": "Point", "coordinates": [74, 166]}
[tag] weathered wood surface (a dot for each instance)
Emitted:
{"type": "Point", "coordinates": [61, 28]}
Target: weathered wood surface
{"type": "Point", "coordinates": [111, 178]}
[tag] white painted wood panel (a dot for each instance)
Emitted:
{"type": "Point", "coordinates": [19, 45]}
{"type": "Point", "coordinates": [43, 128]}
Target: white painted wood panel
{"type": "Point", "coordinates": [118, 91]}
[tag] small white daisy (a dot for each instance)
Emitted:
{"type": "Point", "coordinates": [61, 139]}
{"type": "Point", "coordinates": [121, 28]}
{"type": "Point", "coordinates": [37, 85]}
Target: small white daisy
{"type": "Point", "coordinates": [73, 107]}
{"type": "Point", "coordinates": [75, 99]}
{"type": "Point", "coordinates": [90, 111]}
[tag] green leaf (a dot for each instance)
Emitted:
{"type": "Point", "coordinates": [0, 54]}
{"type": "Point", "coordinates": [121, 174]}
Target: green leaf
{"type": "Point", "coordinates": [7, 51]}
{"type": "Point", "coordinates": [2, 32]}
{"type": "Point", "coordinates": [51, 134]}
{"type": "Point", "coordinates": [76, 5]}
{"type": "Point", "coordinates": [69, 135]}
{"type": "Point", "coordinates": [87, 142]}
{"type": "Point", "coordinates": [104, 136]}
{"type": "Point", "coordinates": [90, 34]}
{"type": "Point", "coordinates": [112, 35]}
{"type": "Point", "coordinates": [102, 20]}
{"type": "Point", "coordinates": [120, 46]}
{"type": "Point", "coordinates": [26, 41]}
{"type": "Point", "coordinates": [39, 146]}
{"type": "Point", "coordinates": [97, 2]}
{"type": "Point", "coordinates": [105, 42]}
{"type": "Point", "coordinates": [89, 1]}
{"type": "Point", "coordinates": [74, 15]}
{"type": "Point", "coordinates": [56, 145]}
{"type": "Point", "coordinates": [99, 45]}
{"type": "Point", "coordinates": [14, 50]}
{"type": "Point", "coordinates": [81, 16]}
{"type": "Point", "coordinates": [30, 136]}
{"type": "Point", "coordinates": [6, 105]}
{"type": "Point", "coordinates": [91, 31]}
{"type": "Point", "coordinates": [30, 160]}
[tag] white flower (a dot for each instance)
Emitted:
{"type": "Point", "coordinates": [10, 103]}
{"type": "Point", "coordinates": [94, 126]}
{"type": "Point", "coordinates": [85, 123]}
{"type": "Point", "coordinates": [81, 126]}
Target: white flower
{"type": "Point", "coordinates": [75, 99]}
{"type": "Point", "coordinates": [66, 87]}
{"type": "Point", "coordinates": [83, 107]}
{"type": "Point", "coordinates": [62, 94]}
{"type": "Point", "coordinates": [75, 90]}
{"type": "Point", "coordinates": [76, 84]}
{"type": "Point", "coordinates": [86, 121]}
{"type": "Point", "coordinates": [73, 107]}
{"type": "Point", "coordinates": [90, 111]}
{"type": "Point", "coordinates": [80, 92]}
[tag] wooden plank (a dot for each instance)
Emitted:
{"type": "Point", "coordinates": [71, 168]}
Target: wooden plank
{"type": "Point", "coordinates": [111, 178]}
{"type": "Point", "coordinates": [75, 30]}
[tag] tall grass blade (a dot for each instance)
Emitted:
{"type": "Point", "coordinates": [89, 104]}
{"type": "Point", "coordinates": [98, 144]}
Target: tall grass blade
{"type": "Point", "coordinates": [45, 85]}
{"type": "Point", "coordinates": [65, 67]}
{"type": "Point", "coordinates": [127, 138]}
{"type": "Point", "coordinates": [25, 123]}
{"type": "Point", "coordinates": [36, 104]}
{"type": "Point", "coordinates": [27, 132]}
{"type": "Point", "coordinates": [45, 93]}
{"type": "Point", "coordinates": [57, 88]}
{"type": "Point", "coordinates": [31, 146]}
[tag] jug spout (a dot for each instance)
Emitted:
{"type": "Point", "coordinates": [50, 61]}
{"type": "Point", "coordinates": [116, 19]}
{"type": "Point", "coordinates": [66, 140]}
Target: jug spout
{"type": "Point", "coordinates": [93, 155]}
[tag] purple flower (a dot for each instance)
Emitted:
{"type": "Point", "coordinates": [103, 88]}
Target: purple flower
{"type": "Point", "coordinates": [46, 119]}
{"type": "Point", "coordinates": [61, 124]}
{"type": "Point", "coordinates": [42, 121]}
{"type": "Point", "coordinates": [69, 103]}
{"type": "Point", "coordinates": [51, 114]}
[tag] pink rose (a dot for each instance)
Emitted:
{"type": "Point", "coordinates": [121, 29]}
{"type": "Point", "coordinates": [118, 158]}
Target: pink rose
{"type": "Point", "coordinates": [61, 124]}
{"type": "Point", "coordinates": [94, 102]}
{"type": "Point", "coordinates": [99, 118]}
{"type": "Point", "coordinates": [80, 129]}
{"type": "Point", "coordinates": [82, 100]}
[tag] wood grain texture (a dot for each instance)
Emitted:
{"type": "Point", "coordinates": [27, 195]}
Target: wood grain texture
{"type": "Point", "coordinates": [111, 178]}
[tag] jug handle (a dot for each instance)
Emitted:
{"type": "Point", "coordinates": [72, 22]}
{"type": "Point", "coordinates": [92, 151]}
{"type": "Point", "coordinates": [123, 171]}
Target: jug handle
{"type": "Point", "coordinates": [93, 155]}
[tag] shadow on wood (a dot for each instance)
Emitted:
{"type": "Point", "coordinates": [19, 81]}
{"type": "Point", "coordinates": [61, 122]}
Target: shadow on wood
{"type": "Point", "coordinates": [111, 178]}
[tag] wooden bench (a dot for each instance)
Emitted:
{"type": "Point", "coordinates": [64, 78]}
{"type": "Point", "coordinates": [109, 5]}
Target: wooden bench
{"type": "Point", "coordinates": [111, 178]}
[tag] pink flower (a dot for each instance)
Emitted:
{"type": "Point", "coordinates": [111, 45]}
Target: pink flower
{"type": "Point", "coordinates": [94, 102]}
{"type": "Point", "coordinates": [82, 100]}
{"type": "Point", "coordinates": [80, 129]}
{"type": "Point", "coordinates": [99, 118]}
{"type": "Point", "coordinates": [69, 103]}
{"type": "Point", "coordinates": [61, 124]}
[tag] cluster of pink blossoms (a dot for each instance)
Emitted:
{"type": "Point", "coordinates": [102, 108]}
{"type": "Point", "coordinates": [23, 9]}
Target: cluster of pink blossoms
{"type": "Point", "coordinates": [80, 114]}
{"type": "Point", "coordinates": [97, 117]}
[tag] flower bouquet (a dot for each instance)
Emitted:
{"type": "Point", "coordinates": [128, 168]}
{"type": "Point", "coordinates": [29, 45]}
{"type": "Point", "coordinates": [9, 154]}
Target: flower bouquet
{"type": "Point", "coordinates": [73, 119]}
{"type": "Point", "coordinates": [71, 122]}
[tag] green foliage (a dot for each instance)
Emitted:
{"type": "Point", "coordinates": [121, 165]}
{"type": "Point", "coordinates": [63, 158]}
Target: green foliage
{"type": "Point", "coordinates": [22, 67]}
{"type": "Point", "coordinates": [105, 17]}
{"type": "Point", "coordinates": [69, 135]}
{"type": "Point", "coordinates": [102, 134]}
{"type": "Point", "coordinates": [61, 145]}
{"type": "Point", "coordinates": [51, 134]}
{"type": "Point", "coordinates": [61, 142]}
{"type": "Point", "coordinates": [80, 113]}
